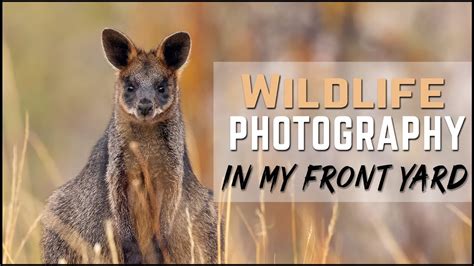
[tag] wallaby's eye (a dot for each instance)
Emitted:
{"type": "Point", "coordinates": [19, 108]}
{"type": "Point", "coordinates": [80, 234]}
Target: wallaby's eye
{"type": "Point", "coordinates": [161, 89]}
{"type": "Point", "coordinates": [130, 88]}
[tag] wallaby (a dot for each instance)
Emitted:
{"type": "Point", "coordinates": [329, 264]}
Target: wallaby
{"type": "Point", "coordinates": [139, 175]}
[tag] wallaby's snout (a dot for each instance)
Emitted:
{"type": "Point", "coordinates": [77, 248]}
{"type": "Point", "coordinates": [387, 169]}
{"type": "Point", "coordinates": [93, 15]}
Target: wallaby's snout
{"type": "Point", "coordinates": [145, 107]}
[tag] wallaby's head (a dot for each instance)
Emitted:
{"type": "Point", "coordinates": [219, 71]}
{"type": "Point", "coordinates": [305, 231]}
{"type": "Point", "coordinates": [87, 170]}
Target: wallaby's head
{"type": "Point", "coordinates": [147, 81]}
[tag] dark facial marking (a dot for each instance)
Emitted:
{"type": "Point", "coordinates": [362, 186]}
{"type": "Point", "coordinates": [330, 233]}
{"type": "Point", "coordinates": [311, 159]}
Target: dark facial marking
{"type": "Point", "coordinates": [129, 95]}
{"type": "Point", "coordinates": [162, 91]}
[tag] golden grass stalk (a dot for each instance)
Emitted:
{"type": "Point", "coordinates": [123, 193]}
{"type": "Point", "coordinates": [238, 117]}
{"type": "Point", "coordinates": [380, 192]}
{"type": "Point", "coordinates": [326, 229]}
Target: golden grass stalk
{"type": "Point", "coordinates": [312, 254]}
{"type": "Point", "coordinates": [252, 234]}
{"type": "Point", "coordinates": [9, 218]}
{"type": "Point", "coordinates": [14, 209]}
{"type": "Point", "coordinates": [307, 242]}
{"type": "Point", "coordinates": [219, 221]}
{"type": "Point", "coordinates": [85, 256]}
{"type": "Point", "coordinates": [6, 254]}
{"type": "Point", "coordinates": [263, 235]}
{"type": "Point", "coordinates": [463, 217]}
{"type": "Point", "coordinates": [227, 226]}
{"type": "Point", "coordinates": [20, 175]}
{"type": "Point", "coordinates": [45, 157]}
{"type": "Point", "coordinates": [97, 253]}
{"type": "Point", "coordinates": [261, 215]}
{"type": "Point", "coordinates": [190, 232]}
{"type": "Point", "coordinates": [201, 259]}
{"type": "Point", "coordinates": [331, 228]}
{"type": "Point", "coordinates": [247, 225]}
{"type": "Point", "coordinates": [293, 227]}
{"type": "Point", "coordinates": [257, 251]}
{"type": "Point", "coordinates": [109, 231]}
{"type": "Point", "coordinates": [27, 235]}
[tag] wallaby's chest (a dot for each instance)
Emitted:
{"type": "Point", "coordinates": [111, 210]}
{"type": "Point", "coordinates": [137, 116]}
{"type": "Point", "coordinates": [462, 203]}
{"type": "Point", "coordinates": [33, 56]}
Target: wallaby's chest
{"type": "Point", "coordinates": [150, 152]}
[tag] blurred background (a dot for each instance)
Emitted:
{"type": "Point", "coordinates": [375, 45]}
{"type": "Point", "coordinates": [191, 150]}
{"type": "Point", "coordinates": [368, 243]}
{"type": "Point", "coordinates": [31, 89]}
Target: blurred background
{"type": "Point", "coordinates": [54, 71]}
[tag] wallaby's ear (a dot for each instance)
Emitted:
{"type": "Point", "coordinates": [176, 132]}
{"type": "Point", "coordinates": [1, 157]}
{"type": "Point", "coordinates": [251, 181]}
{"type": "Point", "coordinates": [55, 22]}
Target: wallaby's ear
{"type": "Point", "coordinates": [118, 49]}
{"type": "Point", "coordinates": [174, 50]}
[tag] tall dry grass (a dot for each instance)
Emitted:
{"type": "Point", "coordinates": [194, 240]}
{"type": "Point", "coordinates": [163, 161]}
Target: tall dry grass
{"type": "Point", "coordinates": [10, 220]}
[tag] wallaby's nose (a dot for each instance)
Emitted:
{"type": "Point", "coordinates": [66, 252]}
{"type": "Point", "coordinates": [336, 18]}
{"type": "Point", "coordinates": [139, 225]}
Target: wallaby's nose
{"type": "Point", "coordinates": [145, 106]}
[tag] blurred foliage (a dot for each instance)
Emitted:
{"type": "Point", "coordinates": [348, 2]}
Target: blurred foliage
{"type": "Point", "coordinates": [54, 69]}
